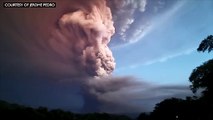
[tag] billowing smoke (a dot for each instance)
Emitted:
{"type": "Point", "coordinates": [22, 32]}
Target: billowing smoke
{"type": "Point", "coordinates": [71, 39]}
{"type": "Point", "coordinates": [89, 32]}
{"type": "Point", "coordinates": [108, 95]}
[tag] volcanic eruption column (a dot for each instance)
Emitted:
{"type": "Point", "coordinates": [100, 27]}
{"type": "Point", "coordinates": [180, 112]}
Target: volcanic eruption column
{"type": "Point", "coordinates": [90, 31]}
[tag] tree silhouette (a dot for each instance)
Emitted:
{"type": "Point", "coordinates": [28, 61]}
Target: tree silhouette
{"type": "Point", "coordinates": [168, 109]}
{"type": "Point", "coordinates": [143, 116]}
{"type": "Point", "coordinates": [178, 109]}
{"type": "Point", "coordinates": [206, 44]}
{"type": "Point", "coordinates": [201, 77]}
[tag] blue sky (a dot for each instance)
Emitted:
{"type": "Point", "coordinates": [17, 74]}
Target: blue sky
{"type": "Point", "coordinates": [163, 72]}
{"type": "Point", "coordinates": [167, 53]}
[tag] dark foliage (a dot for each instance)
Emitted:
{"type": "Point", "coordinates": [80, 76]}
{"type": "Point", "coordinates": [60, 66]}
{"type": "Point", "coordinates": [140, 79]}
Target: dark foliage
{"type": "Point", "coordinates": [202, 77]}
{"type": "Point", "coordinates": [144, 116]}
{"type": "Point", "coordinates": [206, 44]}
{"type": "Point", "coordinates": [179, 109]}
{"type": "Point", "coordinates": [18, 112]}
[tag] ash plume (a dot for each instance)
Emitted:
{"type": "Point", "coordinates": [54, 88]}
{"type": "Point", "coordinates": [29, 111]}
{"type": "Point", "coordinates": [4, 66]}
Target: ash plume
{"type": "Point", "coordinates": [89, 32]}
{"type": "Point", "coordinates": [126, 95]}
{"type": "Point", "coordinates": [69, 40]}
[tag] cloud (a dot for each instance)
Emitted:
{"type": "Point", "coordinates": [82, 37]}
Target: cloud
{"type": "Point", "coordinates": [124, 15]}
{"type": "Point", "coordinates": [134, 18]}
{"type": "Point", "coordinates": [128, 95]}
{"type": "Point", "coordinates": [165, 58]}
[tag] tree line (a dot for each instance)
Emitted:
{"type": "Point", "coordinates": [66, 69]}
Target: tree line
{"type": "Point", "coordinates": [10, 111]}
